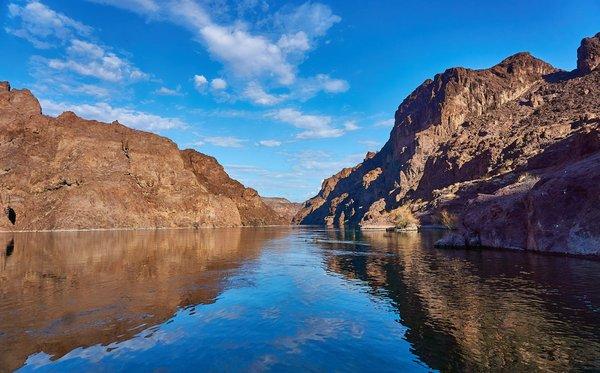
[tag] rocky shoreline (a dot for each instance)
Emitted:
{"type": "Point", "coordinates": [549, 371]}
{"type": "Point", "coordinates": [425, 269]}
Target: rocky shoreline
{"type": "Point", "coordinates": [509, 156]}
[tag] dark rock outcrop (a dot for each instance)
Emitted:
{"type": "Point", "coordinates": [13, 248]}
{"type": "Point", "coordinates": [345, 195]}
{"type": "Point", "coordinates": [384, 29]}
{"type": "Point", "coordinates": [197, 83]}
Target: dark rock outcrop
{"type": "Point", "coordinates": [472, 139]}
{"type": "Point", "coordinates": [72, 173]}
{"type": "Point", "coordinates": [588, 54]}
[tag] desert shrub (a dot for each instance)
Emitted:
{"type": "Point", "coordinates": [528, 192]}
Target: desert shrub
{"type": "Point", "coordinates": [403, 218]}
{"type": "Point", "coordinates": [448, 219]}
{"type": "Point", "coordinates": [526, 177]}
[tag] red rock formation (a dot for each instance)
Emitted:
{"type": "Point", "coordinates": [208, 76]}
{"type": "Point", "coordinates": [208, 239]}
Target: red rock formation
{"type": "Point", "coordinates": [71, 173]}
{"type": "Point", "coordinates": [473, 135]}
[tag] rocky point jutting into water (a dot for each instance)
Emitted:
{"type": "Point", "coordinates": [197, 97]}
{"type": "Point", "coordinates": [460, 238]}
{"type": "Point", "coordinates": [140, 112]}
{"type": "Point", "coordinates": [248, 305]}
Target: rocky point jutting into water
{"type": "Point", "coordinates": [72, 173]}
{"type": "Point", "coordinates": [510, 155]}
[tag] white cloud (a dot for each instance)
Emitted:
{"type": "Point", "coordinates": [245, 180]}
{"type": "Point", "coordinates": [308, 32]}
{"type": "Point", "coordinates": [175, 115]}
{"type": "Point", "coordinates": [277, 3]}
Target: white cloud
{"type": "Point", "coordinates": [308, 88]}
{"type": "Point", "coordinates": [259, 96]}
{"type": "Point", "coordinates": [42, 26]}
{"type": "Point", "coordinates": [319, 160]}
{"type": "Point", "coordinates": [106, 113]}
{"type": "Point", "coordinates": [313, 18]}
{"type": "Point", "coordinates": [138, 6]}
{"type": "Point", "coordinates": [218, 84]}
{"type": "Point", "coordinates": [292, 43]}
{"type": "Point", "coordinates": [332, 85]}
{"type": "Point", "coordinates": [385, 123]}
{"type": "Point", "coordinates": [200, 82]}
{"type": "Point", "coordinates": [165, 91]}
{"type": "Point", "coordinates": [371, 144]}
{"type": "Point", "coordinates": [314, 126]}
{"type": "Point", "coordinates": [86, 89]}
{"type": "Point", "coordinates": [222, 141]}
{"type": "Point", "coordinates": [270, 143]}
{"type": "Point", "coordinates": [271, 59]}
{"type": "Point", "coordinates": [92, 60]}
{"type": "Point", "coordinates": [247, 56]}
{"type": "Point", "coordinates": [351, 126]}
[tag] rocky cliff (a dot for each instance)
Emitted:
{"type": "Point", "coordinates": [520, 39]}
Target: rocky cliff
{"type": "Point", "coordinates": [510, 154]}
{"type": "Point", "coordinates": [72, 173]}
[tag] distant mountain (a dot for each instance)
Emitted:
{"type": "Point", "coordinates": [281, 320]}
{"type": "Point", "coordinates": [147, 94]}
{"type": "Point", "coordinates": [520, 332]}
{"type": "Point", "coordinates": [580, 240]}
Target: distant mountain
{"type": "Point", "coordinates": [72, 173]}
{"type": "Point", "coordinates": [284, 208]}
{"type": "Point", "coordinates": [510, 155]}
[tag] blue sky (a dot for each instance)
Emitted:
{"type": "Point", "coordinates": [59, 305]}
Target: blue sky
{"type": "Point", "coordinates": [283, 94]}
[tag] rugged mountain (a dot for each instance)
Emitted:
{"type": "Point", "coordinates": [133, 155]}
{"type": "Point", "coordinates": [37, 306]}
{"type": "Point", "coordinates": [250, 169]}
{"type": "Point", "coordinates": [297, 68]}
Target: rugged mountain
{"type": "Point", "coordinates": [284, 208]}
{"type": "Point", "coordinates": [71, 173]}
{"type": "Point", "coordinates": [510, 153]}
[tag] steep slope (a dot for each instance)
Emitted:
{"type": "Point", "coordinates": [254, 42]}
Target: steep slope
{"type": "Point", "coordinates": [284, 208]}
{"type": "Point", "coordinates": [473, 133]}
{"type": "Point", "coordinates": [71, 173]}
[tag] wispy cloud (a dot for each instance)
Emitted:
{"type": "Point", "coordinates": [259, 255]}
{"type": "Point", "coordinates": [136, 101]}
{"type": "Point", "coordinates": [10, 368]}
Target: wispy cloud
{"type": "Point", "coordinates": [92, 60]}
{"type": "Point", "coordinates": [166, 91]}
{"type": "Point", "coordinates": [314, 126]}
{"type": "Point", "coordinates": [255, 93]}
{"type": "Point", "coordinates": [42, 26]}
{"type": "Point", "coordinates": [107, 113]}
{"type": "Point", "coordinates": [351, 126]}
{"type": "Point", "coordinates": [221, 141]}
{"type": "Point", "coordinates": [385, 123]}
{"type": "Point", "coordinates": [79, 65]}
{"type": "Point", "coordinates": [254, 63]}
{"type": "Point", "coordinates": [269, 143]}
{"type": "Point", "coordinates": [370, 144]}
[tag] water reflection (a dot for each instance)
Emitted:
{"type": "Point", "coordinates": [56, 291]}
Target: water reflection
{"type": "Point", "coordinates": [482, 310]}
{"type": "Point", "coordinates": [283, 298]}
{"type": "Point", "coordinates": [60, 291]}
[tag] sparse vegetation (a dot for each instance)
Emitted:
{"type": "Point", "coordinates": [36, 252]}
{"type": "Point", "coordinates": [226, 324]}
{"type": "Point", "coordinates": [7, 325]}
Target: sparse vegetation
{"type": "Point", "coordinates": [526, 176]}
{"type": "Point", "coordinates": [403, 218]}
{"type": "Point", "coordinates": [448, 219]}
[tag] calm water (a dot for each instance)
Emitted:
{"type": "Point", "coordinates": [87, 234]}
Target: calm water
{"type": "Point", "coordinates": [280, 299]}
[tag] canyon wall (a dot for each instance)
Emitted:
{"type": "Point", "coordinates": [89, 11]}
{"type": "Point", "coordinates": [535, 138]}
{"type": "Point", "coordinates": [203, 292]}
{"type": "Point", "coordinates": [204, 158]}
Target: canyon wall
{"type": "Point", "coordinates": [72, 173]}
{"type": "Point", "coordinates": [511, 154]}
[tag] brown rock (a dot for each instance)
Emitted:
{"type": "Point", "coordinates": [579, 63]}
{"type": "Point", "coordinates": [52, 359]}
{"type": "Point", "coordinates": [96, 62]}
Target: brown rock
{"type": "Point", "coordinates": [71, 173]}
{"type": "Point", "coordinates": [282, 207]}
{"type": "Point", "coordinates": [588, 54]}
{"type": "Point", "coordinates": [474, 143]}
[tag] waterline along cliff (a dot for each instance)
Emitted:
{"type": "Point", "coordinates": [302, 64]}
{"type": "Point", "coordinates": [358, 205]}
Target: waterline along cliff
{"type": "Point", "coordinates": [72, 173]}
{"type": "Point", "coordinates": [508, 156]}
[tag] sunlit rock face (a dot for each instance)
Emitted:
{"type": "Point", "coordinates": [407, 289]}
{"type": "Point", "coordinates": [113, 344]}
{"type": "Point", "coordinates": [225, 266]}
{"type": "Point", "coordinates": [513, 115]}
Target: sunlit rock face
{"type": "Point", "coordinates": [466, 139]}
{"type": "Point", "coordinates": [72, 173]}
{"type": "Point", "coordinates": [100, 287]}
{"type": "Point", "coordinates": [284, 208]}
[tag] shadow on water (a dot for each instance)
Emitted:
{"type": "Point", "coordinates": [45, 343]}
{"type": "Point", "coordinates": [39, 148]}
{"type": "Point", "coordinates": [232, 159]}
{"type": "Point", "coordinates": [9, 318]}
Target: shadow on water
{"type": "Point", "coordinates": [481, 310]}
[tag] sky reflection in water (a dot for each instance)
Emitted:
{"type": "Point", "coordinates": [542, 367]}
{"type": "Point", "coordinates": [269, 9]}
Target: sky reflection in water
{"type": "Point", "coordinates": [282, 298]}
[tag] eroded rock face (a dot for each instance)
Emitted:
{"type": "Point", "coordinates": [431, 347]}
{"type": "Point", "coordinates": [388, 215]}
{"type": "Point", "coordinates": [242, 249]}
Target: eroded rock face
{"type": "Point", "coordinates": [71, 173]}
{"type": "Point", "coordinates": [588, 54]}
{"type": "Point", "coordinates": [470, 138]}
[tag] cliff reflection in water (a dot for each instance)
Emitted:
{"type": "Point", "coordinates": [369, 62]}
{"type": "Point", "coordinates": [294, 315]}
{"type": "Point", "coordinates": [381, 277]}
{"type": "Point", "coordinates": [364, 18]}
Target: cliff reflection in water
{"type": "Point", "coordinates": [60, 291]}
{"type": "Point", "coordinates": [481, 310]}
{"type": "Point", "coordinates": [288, 298]}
